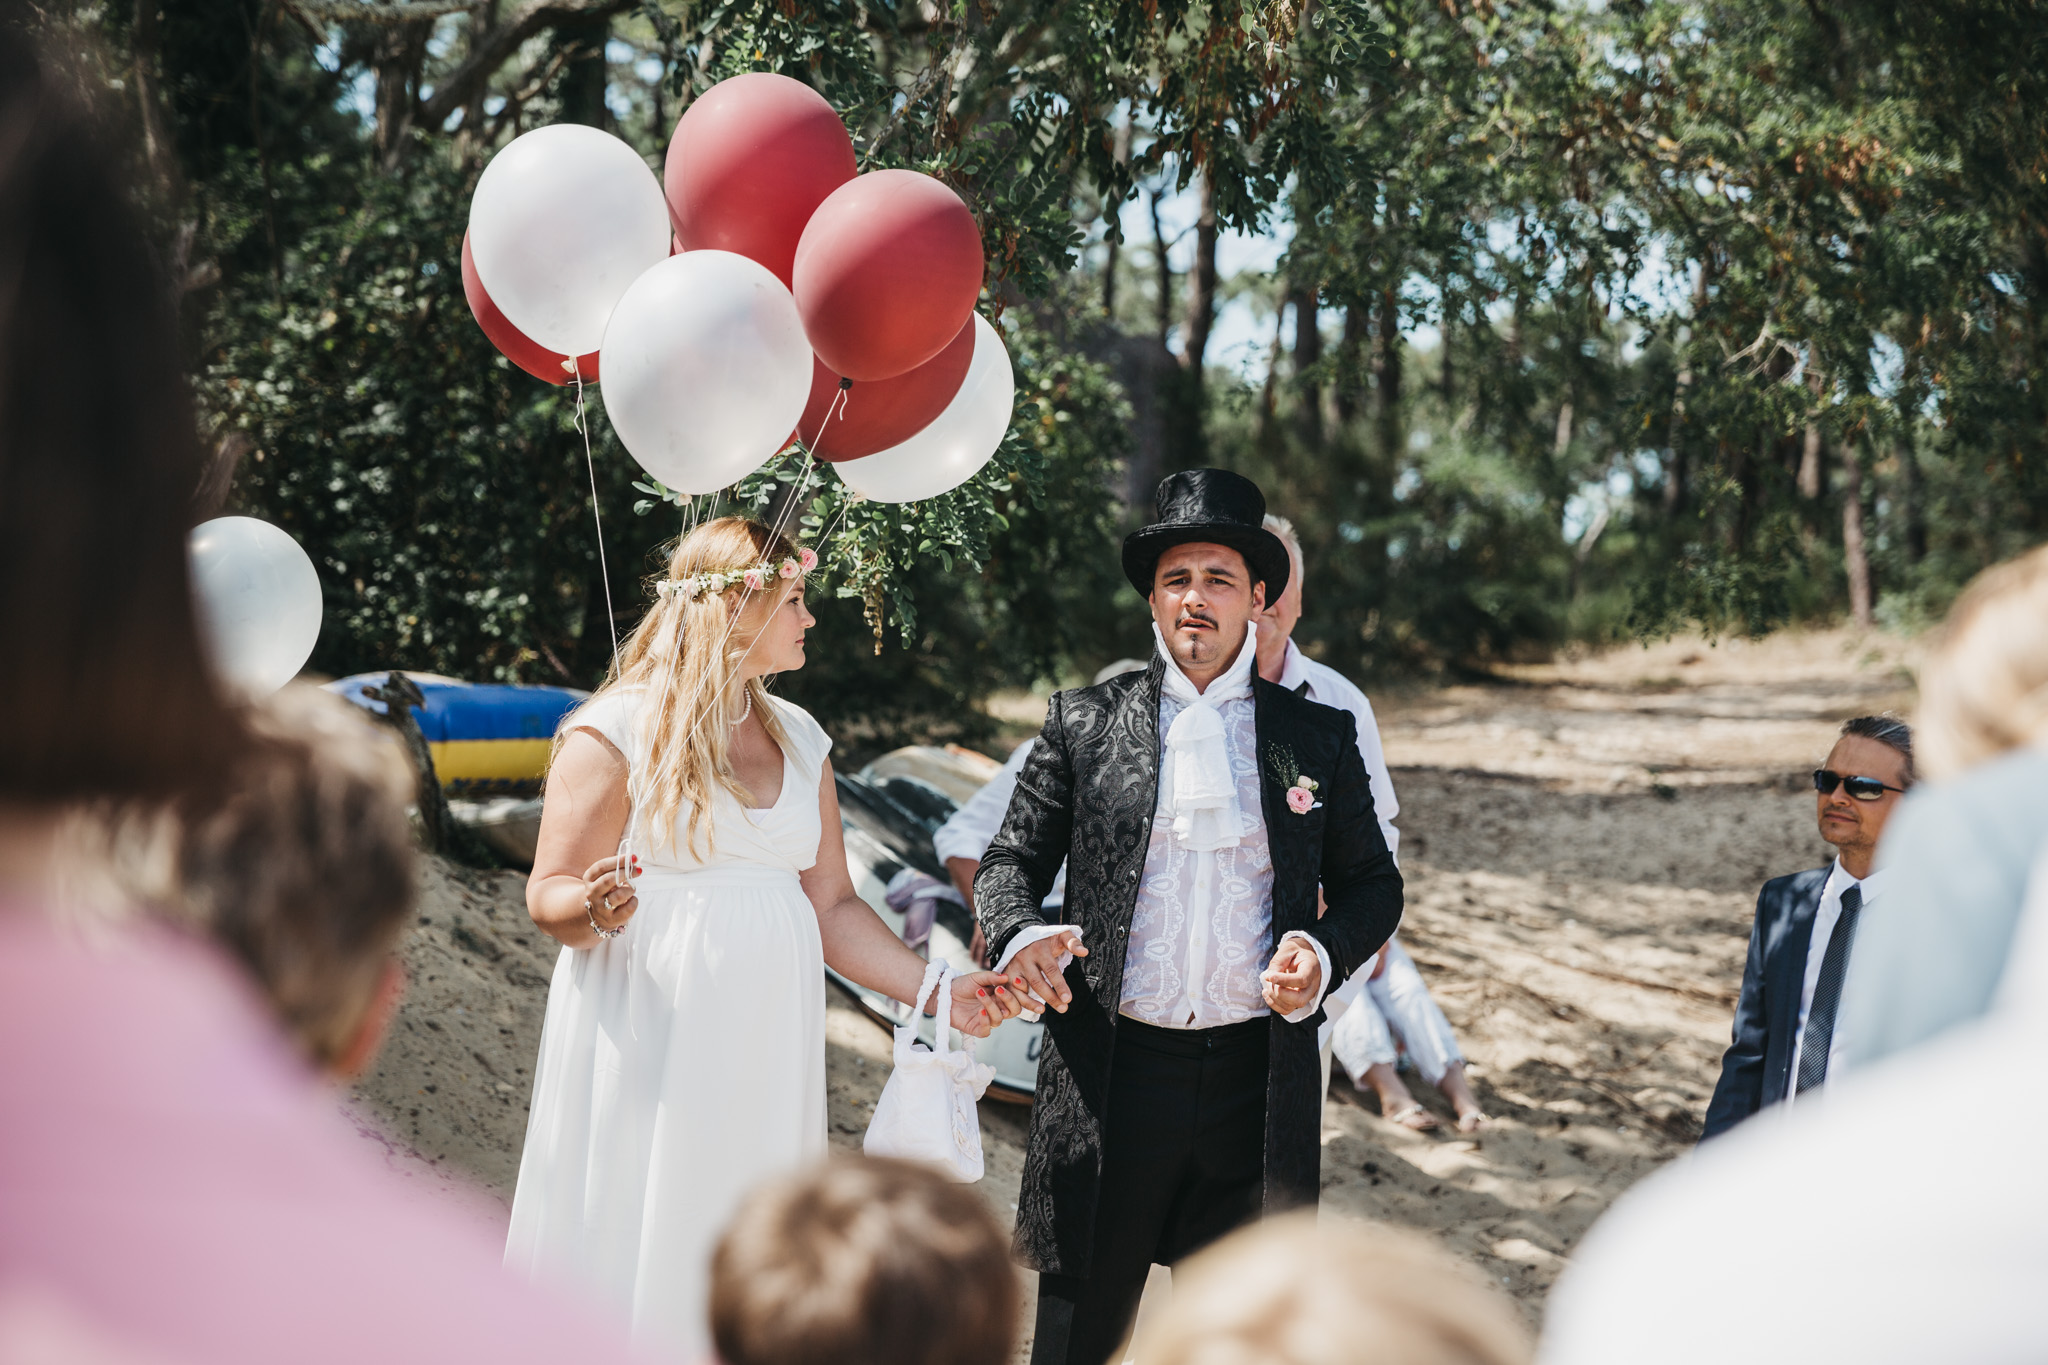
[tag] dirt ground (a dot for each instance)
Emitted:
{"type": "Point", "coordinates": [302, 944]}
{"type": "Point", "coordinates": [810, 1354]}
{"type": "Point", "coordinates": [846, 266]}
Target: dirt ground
{"type": "Point", "coordinates": [1582, 843]}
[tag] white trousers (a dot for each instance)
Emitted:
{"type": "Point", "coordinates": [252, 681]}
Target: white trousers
{"type": "Point", "coordinates": [1393, 1014]}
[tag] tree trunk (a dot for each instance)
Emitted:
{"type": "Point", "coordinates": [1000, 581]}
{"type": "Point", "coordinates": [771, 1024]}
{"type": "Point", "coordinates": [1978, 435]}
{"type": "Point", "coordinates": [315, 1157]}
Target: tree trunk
{"type": "Point", "coordinates": [1163, 316]}
{"type": "Point", "coordinates": [1266, 438]}
{"type": "Point", "coordinates": [1201, 312]}
{"type": "Point", "coordinates": [1677, 470]}
{"type": "Point", "coordinates": [585, 72]}
{"type": "Point", "coordinates": [1112, 248]}
{"type": "Point", "coordinates": [1446, 374]}
{"type": "Point", "coordinates": [1855, 559]}
{"type": "Point", "coordinates": [1115, 241]}
{"type": "Point", "coordinates": [1910, 500]}
{"type": "Point", "coordinates": [1308, 353]}
{"type": "Point", "coordinates": [396, 57]}
{"type": "Point", "coordinates": [1812, 454]}
{"type": "Point", "coordinates": [1809, 463]}
{"type": "Point", "coordinates": [1346, 387]}
{"type": "Point", "coordinates": [1386, 364]}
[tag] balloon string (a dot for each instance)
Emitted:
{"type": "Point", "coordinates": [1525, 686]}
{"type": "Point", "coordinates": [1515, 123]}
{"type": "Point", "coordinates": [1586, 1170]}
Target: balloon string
{"type": "Point", "coordinates": [603, 568]}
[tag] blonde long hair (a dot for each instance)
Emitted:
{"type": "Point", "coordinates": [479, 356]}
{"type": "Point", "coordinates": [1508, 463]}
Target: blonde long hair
{"type": "Point", "coordinates": [686, 654]}
{"type": "Point", "coordinates": [1984, 690]}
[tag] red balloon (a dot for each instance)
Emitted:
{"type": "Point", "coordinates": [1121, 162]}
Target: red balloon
{"type": "Point", "coordinates": [887, 273]}
{"type": "Point", "coordinates": [884, 412]}
{"type": "Point", "coordinates": [529, 355]}
{"type": "Point", "coordinates": [751, 158]}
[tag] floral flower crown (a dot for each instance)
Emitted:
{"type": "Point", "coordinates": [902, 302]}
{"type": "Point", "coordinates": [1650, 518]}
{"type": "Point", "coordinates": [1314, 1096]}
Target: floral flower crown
{"type": "Point", "coordinates": [756, 577]}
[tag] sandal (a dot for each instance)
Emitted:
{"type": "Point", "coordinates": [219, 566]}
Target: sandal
{"type": "Point", "coordinates": [1473, 1122]}
{"type": "Point", "coordinates": [1413, 1117]}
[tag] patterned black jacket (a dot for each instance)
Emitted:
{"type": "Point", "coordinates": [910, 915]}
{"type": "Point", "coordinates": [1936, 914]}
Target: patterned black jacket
{"type": "Point", "coordinates": [1086, 797]}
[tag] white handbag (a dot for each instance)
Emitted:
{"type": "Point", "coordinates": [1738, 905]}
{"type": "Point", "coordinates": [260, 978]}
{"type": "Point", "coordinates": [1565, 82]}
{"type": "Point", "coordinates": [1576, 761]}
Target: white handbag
{"type": "Point", "coordinates": [927, 1111]}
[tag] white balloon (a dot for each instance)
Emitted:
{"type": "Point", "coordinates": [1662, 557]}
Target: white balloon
{"type": "Point", "coordinates": [706, 369]}
{"type": "Point", "coordinates": [959, 441]}
{"type": "Point", "coordinates": [259, 601]}
{"type": "Point", "coordinates": [564, 218]}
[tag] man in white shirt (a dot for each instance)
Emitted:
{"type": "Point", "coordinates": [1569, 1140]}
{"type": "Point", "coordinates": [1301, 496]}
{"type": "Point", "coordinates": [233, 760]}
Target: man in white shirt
{"type": "Point", "coordinates": [1785, 1040]}
{"type": "Point", "coordinates": [1197, 808]}
{"type": "Point", "coordinates": [1385, 1009]}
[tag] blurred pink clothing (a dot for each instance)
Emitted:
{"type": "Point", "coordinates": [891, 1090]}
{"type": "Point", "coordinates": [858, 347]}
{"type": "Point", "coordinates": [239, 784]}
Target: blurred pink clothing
{"type": "Point", "coordinates": [172, 1175]}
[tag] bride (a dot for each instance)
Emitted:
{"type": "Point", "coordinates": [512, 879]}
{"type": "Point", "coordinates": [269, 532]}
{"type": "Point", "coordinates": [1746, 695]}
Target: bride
{"type": "Point", "coordinates": [692, 865]}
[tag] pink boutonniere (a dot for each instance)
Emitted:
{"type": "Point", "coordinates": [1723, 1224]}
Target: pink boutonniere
{"type": "Point", "coordinates": [1301, 797]}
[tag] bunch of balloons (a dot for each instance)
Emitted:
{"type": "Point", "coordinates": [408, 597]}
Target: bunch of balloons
{"type": "Point", "coordinates": [769, 292]}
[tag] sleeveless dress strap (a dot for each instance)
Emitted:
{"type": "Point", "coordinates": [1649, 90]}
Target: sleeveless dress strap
{"type": "Point", "coordinates": [808, 742]}
{"type": "Point", "coordinates": [612, 714]}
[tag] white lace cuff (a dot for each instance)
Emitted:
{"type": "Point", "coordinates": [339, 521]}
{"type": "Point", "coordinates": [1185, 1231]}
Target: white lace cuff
{"type": "Point", "coordinates": [1023, 939]}
{"type": "Point", "coordinates": [1323, 958]}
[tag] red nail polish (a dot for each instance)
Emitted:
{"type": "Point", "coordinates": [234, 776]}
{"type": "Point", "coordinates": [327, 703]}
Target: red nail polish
{"type": "Point", "coordinates": [981, 992]}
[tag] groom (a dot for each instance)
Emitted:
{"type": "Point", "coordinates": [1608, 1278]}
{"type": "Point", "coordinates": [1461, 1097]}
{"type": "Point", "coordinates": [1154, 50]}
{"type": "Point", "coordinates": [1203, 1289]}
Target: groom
{"type": "Point", "coordinates": [1198, 808]}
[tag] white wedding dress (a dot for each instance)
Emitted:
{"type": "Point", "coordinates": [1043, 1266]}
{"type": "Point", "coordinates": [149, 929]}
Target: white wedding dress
{"type": "Point", "coordinates": [683, 1062]}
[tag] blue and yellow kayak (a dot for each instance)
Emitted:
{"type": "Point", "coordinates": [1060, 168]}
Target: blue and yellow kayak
{"type": "Point", "coordinates": [488, 739]}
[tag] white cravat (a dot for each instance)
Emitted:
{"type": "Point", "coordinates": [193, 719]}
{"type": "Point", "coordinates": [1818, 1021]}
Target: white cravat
{"type": "Point", "coordinates": [1195, 781]}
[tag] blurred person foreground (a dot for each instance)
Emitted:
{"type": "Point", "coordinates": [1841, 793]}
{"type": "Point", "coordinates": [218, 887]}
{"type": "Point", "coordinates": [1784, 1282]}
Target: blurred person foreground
{"type": "Point", "coordinates": [1295, 1291]}
{"type": "Point", "coordinates": [176, 1184]}
{"type": "Point", "coordinates": [863, 1261]}
{"type": "Point", "coordinates": [305, 873]}
{"type": "Point", "coordinates": [1960, 849]}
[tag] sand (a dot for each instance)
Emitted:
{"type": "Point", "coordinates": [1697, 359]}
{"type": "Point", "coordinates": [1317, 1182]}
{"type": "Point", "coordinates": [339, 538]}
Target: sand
{"type": "Point", "coordinates": [1583, 844]}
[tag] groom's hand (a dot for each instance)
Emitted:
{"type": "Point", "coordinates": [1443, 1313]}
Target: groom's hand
{"type": "Point", "coordinates": [1036, 969]}
{"type": "Point", "coordinates": [1293, 979]}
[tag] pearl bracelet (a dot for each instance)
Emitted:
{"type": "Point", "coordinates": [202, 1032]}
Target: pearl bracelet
{"type": "Point", "coordinates": [597, 928]}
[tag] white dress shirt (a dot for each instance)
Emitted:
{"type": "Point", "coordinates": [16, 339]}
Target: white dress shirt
{"type": "Point", "coordinates": [975, 825]}
{"type": "Point", "coordinates": [1331, 688]}
{"type": "Point", "coordinates": [1824, 919]}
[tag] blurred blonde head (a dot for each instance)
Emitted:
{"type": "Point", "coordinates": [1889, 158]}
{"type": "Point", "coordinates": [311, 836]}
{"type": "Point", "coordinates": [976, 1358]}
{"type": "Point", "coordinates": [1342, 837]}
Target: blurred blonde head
{"type": "Point", "coordinates": [1985, 688]}
{"type": "Point", "coordinates": [687, 652]}
{"type": "Point", "coordinates": [1296, 1291]}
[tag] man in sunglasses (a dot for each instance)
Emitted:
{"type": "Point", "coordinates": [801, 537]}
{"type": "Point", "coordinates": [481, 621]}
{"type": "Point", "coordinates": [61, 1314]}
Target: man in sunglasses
{"type": "Point", "coordinates": [1785, 1039]}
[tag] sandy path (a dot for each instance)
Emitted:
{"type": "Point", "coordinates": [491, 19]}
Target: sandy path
{"type": "Point", "coordinates": [1583, 845]}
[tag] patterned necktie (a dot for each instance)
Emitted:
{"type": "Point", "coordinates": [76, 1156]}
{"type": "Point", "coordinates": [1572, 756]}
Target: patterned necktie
{"type": "Point", "coordinates": [1827, 994]}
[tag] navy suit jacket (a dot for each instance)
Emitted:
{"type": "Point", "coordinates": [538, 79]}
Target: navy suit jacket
{"type": "Point", "coordinates": [1758, 1063]}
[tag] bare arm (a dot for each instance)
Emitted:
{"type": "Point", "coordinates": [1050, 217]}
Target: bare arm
{"type": "Point", "coordinates": [861, 947]}
{"type": "Point", "coordinates": [582, 819]}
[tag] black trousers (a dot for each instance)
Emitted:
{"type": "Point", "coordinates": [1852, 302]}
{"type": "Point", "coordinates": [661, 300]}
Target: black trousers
{"type": "Point", "coordinates": [1183, 1163]}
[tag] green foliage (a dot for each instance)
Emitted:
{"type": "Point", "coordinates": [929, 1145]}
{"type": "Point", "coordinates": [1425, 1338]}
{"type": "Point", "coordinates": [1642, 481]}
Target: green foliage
{"type": "Point", "coordinates": [1667, 250]}
{"type": "Point", "coordinates": [1623, 317]}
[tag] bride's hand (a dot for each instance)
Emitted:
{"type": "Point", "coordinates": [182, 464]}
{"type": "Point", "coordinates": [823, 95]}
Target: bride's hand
{"type": "Point", "coordinates": [608, 896]}
{"type": "Point", "coordinates": [981, 1000]}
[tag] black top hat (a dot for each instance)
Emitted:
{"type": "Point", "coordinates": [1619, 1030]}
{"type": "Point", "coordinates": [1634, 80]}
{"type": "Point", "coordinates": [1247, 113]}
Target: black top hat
{"type": "Point", "coordinates": [1213, 506]}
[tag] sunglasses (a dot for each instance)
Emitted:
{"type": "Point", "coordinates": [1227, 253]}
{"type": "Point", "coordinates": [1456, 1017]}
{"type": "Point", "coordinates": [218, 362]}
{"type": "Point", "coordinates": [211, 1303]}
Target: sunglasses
{"type": "Point", "coordinates": [1825, 780]}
